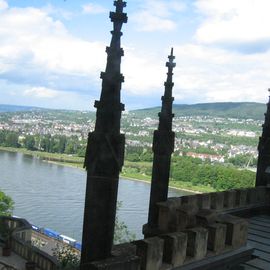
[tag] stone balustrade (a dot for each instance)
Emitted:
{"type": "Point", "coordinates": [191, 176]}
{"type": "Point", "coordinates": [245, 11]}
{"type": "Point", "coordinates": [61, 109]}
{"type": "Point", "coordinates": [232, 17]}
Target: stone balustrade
{"type": "Point", "coordinates": [5, 266]}
{"type": "Point", "coordinates": [21, 244]}
{"type": "Point", "coordinates": [191, 228]}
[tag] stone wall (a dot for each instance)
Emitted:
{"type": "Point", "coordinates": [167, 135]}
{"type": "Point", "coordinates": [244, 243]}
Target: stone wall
{"type": "Point", "coordinates": [21, 232]}
{"type": "Point", "coordinates": [43, 260]}
{"type": "Point", "coordinates": [190, 228]}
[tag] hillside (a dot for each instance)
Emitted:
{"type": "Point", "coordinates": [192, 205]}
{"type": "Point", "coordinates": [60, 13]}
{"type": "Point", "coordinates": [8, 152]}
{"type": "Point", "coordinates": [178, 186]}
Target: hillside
{"type": "Point", "coordinates": [241, 110]}
{"type": "Point", "coordinates": [244, 110]}
{"type": "Point", "coordinates": [16, 108]}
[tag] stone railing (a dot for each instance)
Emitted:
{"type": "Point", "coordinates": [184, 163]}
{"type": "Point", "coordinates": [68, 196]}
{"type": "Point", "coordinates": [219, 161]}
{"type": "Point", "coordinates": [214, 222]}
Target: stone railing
{"type": "Point", "coordinates": [174, 209]}
{"type": "Point", "coordinates": [191, 229]}
{"type": "Point", "coordinates": [21, 244]}
{"type": "Point", "coordinates": [33, 254]}
{"type": "Point", "coordinates": [4, 266]}
{"type": "Point", "coordinates": [194, 227]}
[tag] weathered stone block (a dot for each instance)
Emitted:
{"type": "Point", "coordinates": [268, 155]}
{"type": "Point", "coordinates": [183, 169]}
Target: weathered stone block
{"type": "Point", "coordinates": [216, 237]}
{"type": "Point", "coordinates": [185, 218]}
{"type": "Point", "coordinates": [217, 200]}
{"type": "Point", "coordinates": [241, 197]}
{"type": "Point", "coordinates": [261, 194]}
{"type": "Point", "coordinates": [267, 195]}
{"type": "Point", "coordinates": [204, 201]}
{"type": "Point", "coordinates": [167, 213]}
{"type": "Point", "coordinates": [197, 242]}
{"type": "Point", "coordinates": [175, 248]}
{"type": "Point", "coordinates": [252, 196]}
{"type": "Point", "coordinates": [237, 230]}
{"type": "Point", "coordinates": [229, 199]}
{"type": "Point", "coordinates": [204, 217]}
{"type": "Point", "coordinates": [150, 251]}
{"type": "Point", "coordinates": [115, 263]}
{"type": "Point", "coordinates": [123, 250]}
{"type": "Point", "coordinates": [190, 200]}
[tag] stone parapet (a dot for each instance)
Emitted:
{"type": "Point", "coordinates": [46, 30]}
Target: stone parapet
{"type": "Point", "coordinates": [167, 213]}
{"type": "Point", "coordinates": [217, 200]}
{"type": "Point", "coordinates": [204, 201]}
{"type": "Point", "coordinates": [21, 231]}
{"type": "Point", "coordinates": [206, 217]}
{"type": "Point", "coordinates": [197, 242]}
{"type": "Point", "coordinates": [185, 218]}
{"type": "Point", "coordinates": [216, 237]}
{"type": "Point", "coordinates": [237, 230]}
{"type": "Point", "coordinates": [190, 228]}
{"type": "Point", "coordinates": [241, 197]}
{"type": "Point", "coordinates": [230, 199]}
{"type": "Point", "coordinates": [128, 262]}
{"type": "Point", "coordinates": [175, 248]}
{"type": "Point", "coordinates": [150, 251]}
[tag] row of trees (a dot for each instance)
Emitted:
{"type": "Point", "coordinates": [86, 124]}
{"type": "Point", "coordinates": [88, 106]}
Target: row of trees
{"type": "Point", "coordinates": [197, 172]}
{"type": "Point", "coordinates": [47, 143]}
{"type": "Point", "coordinates": [217, 176]}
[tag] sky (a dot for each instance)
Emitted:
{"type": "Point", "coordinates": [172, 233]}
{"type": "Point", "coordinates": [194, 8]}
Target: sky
{"type": "Point", "coordinates": [52, 51]}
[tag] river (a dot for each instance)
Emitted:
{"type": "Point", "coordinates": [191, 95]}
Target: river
{"type": "Point", "coordinates": [52, 196]}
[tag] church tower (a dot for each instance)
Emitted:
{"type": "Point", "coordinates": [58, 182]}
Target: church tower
{"type": "Point", "coordinates": [105, 153]}
{"type": "Point", "coordinates": [163, 147]}
{"type": "Point", "coordinates": [263, 166]}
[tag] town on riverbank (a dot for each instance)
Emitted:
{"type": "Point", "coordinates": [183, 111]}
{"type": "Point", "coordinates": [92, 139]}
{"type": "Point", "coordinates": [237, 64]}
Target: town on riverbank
{"type": "Point", "coordinates": [209, 147]}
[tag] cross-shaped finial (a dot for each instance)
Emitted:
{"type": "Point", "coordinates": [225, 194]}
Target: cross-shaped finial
{"type": "Point", "coordinates": [120, 4]}
{"type": "Point", "coordinates": [171, 58]}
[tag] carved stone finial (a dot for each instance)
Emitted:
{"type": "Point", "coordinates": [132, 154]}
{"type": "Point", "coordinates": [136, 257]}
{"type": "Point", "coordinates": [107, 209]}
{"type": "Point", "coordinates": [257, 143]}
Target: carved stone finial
{"type": "Point", "coordinates": [105, 154]}
{"type": "Point", "coordinates": [163, 146]}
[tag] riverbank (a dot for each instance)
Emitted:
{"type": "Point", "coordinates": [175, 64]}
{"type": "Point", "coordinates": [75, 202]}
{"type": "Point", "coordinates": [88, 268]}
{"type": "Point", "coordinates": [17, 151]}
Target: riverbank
{"type": "Point", "coordinates": [77, 162]}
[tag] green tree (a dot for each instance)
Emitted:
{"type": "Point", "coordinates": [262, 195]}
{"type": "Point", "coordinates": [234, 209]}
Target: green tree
{"type": "Point", "coordinates": [29, 143]}
{"type": "Point", "coordinates": [45, 144]}
{"type": "Point", "coordinates": [121, 232]}
{"type": "Point", "coordinates": [62, 144]}
{"type": "Point", "coordinates": [6, 204]}
{"type": "Point", "coordinates": [67, 257]}
{"type": "Point", "coordinates": [2, 137]}
{"type": "Point", "coordinates": [12, 139]}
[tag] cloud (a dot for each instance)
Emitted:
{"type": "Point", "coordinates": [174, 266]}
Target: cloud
{"type": "Point", "coordinates": [3, 5]}
{"type": "Point", "coordinates": [37, 50]}
{"type": "Point", "coordinates": [234, 21]}
{"type": "Point", "coordinates": [41, 92]}
{"type": "Point", "coordinates": [58, 12]}
{"type": "Point", "coordinates": [155, 15]}
{"type": "Point", "coordinates": [144, 72]}
{"type": "Point", "coordinates": [207, 74]}
{"type": "Point", "coordinates": [150, 23]}
{"type": "Point", "coordinates": [41, 61]}
{"type": "Point", "coordinates": [91, 8]}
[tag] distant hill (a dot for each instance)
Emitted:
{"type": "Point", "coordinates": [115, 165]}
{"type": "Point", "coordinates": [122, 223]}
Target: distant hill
{"type": "Point", "coordinates": [242, 110]}
{"type": "Point", "coordinates": [16, 108]}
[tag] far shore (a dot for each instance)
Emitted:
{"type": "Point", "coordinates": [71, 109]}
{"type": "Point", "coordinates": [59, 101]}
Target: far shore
{"type": "Point", "coordinates": [76, 162]}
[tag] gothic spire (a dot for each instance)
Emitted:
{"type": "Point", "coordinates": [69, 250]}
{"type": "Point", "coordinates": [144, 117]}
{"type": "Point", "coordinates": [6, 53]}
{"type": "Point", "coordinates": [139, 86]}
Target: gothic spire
{"type": "Point", "coordinates": [163, 147]}
{"type": "Point", "coordinates": [263, 165]}
{"type": "Point", "coordinates": [166, 115]}
{"type": "Point", "coordinates": [112, 78]}
{"type": "Point", "coordinates": [266, 125]}
{"type": "Point", "coordinates": [105, 153]}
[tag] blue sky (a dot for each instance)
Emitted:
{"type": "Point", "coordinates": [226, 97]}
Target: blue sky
{"type": "Point", "coordinates": [52, 52]}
